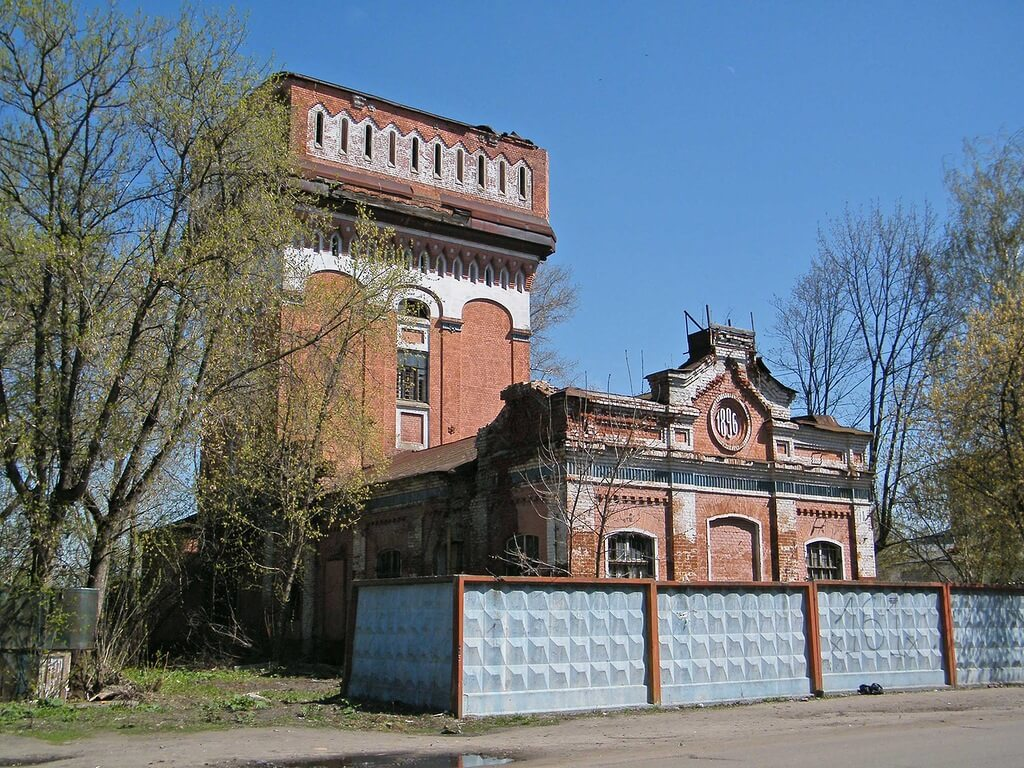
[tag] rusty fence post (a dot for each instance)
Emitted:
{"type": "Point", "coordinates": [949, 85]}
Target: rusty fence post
{"type": "Point", "coordinates": [653, 645]}
{"type": "Point", "coordinates": [813, 629]}
{"type": "Point", "coordinates": [458, 613]}
{"type": "Point", "coordinates": [948, 639]}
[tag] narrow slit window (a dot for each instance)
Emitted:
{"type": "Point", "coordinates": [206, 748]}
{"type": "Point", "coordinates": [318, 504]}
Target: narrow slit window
{"type": "Point", "coordinates": [504, 278]}
{"type": "Point", "coordinates": [335, 245]}
{"type": "Point", "coordinates": [344, 135]}
{"type": "Point", "coordinates": [457, 269]}
{"type": "Point", "coordinates": [481, 172]}
{"type": "Point", "coordinates": [414, 161]}
{"type": "Point", "coordinates": [318, 133]}
{"type": "Point", "coordinates": [459, 164]}
{"type": "Point", "coordinates": [520, 282]}
{"type": "Point", "coordinates": [368, 142]}
{"type": "Point", "coordinates": [522, 182]}
{"type": "Point", "coordinates": [474, 272]}
{"type": "Point", "coordinates": [437, 159]}
{"type": "Point", "coordinates": [501, 177]}
{"type": "Point", "coordinates": [392, 148]}
{"type": "Point", "coordinates": [488, 275]}
{"type": "Point", "coordinates": [442, 265]}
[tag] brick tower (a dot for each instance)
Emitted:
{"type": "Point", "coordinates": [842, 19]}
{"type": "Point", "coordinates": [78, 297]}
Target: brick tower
{"type": "Point", "coordinates": [470, 207]}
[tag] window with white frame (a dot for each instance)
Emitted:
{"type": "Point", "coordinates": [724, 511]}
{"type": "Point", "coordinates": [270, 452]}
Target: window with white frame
{"type": "Point", "coordinates": [824, 561]}
{"type": "Point", "coordinates": [630, 556]}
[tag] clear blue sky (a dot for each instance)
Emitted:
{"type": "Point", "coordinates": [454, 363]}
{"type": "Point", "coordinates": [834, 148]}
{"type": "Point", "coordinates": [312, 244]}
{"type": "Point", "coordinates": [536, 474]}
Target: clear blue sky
{"type": "Point", "coordinates": [695, 147]}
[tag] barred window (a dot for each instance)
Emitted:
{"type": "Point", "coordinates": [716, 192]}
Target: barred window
{"type": "Point", "coordinates": [412, 376]}
{"type": "Point", "coordinates": [389, 564]}
{"type": "Point", "coordinates": [630, 556]}
{"type": "Point", "coordinates": [824, 561]}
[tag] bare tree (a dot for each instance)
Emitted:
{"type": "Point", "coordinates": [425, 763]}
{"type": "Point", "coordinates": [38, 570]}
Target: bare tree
{"type": "Point", "coordinates": [875, 326]}
{"type": "Point", "coordinates": [553, 301]}
{"type": "Point", "coordinates": [582, 479]}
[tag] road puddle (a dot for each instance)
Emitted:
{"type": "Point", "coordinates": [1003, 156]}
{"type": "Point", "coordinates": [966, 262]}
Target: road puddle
{"type": "Point", "coordinates": [386, 761]}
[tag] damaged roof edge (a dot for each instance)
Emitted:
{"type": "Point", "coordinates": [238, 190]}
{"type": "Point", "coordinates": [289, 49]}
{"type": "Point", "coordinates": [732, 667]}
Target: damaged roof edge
{"type": "Point", "coordinates": [484, 129]}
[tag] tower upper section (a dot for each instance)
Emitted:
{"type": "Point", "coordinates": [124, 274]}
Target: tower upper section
{"type": "Point", "coordinates": [394, 151]}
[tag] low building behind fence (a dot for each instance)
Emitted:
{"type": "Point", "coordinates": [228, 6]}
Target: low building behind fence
{"type": "Point", "coordinates": [478, 645]}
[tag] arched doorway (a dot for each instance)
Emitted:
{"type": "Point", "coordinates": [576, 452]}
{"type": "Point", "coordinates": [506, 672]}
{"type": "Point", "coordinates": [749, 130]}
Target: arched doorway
{"type": "Point", "coordinates": [734, 549]}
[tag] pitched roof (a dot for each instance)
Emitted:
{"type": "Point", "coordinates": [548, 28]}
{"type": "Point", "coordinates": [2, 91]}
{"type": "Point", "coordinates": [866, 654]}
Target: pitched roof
{"type": "Point", "coordinates": [443, 458]}
{"type": "Point", "coordinates": [829, 424]}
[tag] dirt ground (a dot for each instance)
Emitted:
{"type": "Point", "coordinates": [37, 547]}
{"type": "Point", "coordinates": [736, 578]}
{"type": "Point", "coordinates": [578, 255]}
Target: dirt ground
{"type": "Point", "coordinates": [967, 727]}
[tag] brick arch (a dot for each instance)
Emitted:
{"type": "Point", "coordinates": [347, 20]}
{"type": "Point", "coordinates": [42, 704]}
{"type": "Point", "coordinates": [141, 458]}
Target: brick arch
{"type": "Point", "coordinates": [486, 362]}
{"type": "Point", "coordinates": [734, 549]}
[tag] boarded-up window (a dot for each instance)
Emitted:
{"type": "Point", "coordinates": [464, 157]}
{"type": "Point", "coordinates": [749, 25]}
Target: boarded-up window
{"type": "Point", "coordinates": [412, 428]}
{"type": "Point", "coordinates": [734, 549]}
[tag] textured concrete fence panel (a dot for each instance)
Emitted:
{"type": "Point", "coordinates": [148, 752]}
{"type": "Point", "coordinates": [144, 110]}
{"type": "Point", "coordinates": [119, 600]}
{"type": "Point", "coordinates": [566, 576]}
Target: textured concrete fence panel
{"type": "Point", "coordinates": [989, 636]}
{"type": "Point", "coordinates": [730, 644]}
{"type": "Point", "coordinates": [542, 648]}
{"type": "Point", "coordinates": [890, 636]}
{"type": "Point", "coordinates": [402, 644]}
{"type": "Point", "coordinates": [481, 646]}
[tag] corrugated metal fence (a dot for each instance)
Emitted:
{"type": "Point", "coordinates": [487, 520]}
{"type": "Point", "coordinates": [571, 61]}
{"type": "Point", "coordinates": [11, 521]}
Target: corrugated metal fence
{"type": "Point", "coordinates": [477, 645]}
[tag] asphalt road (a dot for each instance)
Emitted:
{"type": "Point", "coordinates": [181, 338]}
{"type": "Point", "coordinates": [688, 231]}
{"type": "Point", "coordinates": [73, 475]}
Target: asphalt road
{"type": "Point", "coordinates": [961, 728]}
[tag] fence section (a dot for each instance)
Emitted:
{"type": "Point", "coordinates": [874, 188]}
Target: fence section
{"type": "Point", "coordinates": [542, 647]}
{"type": "Point", "coordinates": [988, 631]}
{"type": "Point", "coordinates": [891, 636]}
{"type": "Point", "coordinates": [485, 646]}
{"type": "Point", "coordinates": [402, 644]}
{"type": "Point", "coordinates": [732, 643]}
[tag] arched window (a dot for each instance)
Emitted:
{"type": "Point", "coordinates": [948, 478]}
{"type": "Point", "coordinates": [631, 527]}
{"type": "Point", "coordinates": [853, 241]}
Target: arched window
{"type": "Point", "coordinates": [437, 159]}
{"type": "Point", "coordinates": [522, 555]}
{"type": "Point", "coordinates": [424, 264]}
{"type": "Point", "coordinates": [504, 278]}
{"type": "Point", "coordinates": [824, 560]}
{"type": "Point", "coordinates": [318, 132]}
{"type": "Point", "coordinates": [520, 281]}
{"type": "Point", "coordinates": [442, 264]}
{"type": "Point", "coordinates": [489, 275]}
{"type": "Point", "coordinates": [522, 182]}
{"type": "Point", "coordinates": [389, 564]}
{"type": "Point", "coordinates": [414, 158]}
{"type": "Point", "coordinates": [335, 245]}
{"type": "Point", "coordinates": [474, 272]}
{"type": "Point", "coordinates": [368, 142]}
{"type": "Point", "coordinates": [630, 556]}
{"type": "Point", "coordinates": [457, 268]}
{"type": "Point", "coordinates": [318, 242]}
{"type": "Point", "coordinates": [344, 135]}
{"type": "Point", "coordinates": [481, 172]}
{"type": "Point", "coordinates": [414, 308]}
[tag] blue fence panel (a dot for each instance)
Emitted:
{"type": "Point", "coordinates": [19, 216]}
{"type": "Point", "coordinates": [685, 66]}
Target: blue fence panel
{"type": "Point", "coordinates": [887, 636]}
{"type": "Point", "coordinates": [545, 648]}
{"type": "Point", "coordinates": [731, 644]}
{"type": "Point", "coordinates": [402, 646]}
{"type": "Point", "coordinates": [988, 633]}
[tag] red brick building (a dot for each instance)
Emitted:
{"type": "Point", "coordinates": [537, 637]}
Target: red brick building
{"type": "Point", "coordinates": [470, 208]}
{"type": "Point", "coordinates": [706, 477]}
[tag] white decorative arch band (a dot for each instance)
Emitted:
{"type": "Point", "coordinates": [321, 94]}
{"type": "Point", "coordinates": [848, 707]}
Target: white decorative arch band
{"type": "Point", "coordinates": [390, 152]}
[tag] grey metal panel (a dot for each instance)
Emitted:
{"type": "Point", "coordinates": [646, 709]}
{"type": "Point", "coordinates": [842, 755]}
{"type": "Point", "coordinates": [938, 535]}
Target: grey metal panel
{"type": "Point", "coordinates": [887, 636]}
{"type": "Point", "coordinates": [402, 645]}
{"type": "Point", "coordinates": [544, 648]}
{"type": "Point", "coordinates": [988, 633]}
{"type": "Point", "coordinates": [731, 644]}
